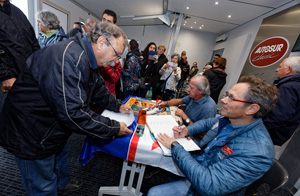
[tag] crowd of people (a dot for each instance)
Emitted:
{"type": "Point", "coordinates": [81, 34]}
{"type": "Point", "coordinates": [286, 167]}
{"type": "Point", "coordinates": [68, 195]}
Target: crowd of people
{"type": "Point", "coordinates": [58, 83]}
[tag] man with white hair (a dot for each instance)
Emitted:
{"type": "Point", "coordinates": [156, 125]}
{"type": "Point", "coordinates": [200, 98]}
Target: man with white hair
{"type": "Point", "coordinates": [199, 104]}
{"type": "Point", "coordinates": [285, 118]}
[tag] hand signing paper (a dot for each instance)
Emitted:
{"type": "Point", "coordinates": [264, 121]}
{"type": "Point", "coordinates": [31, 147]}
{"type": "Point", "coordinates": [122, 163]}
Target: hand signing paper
{"type": "Point", "coordinates": [180, 132]}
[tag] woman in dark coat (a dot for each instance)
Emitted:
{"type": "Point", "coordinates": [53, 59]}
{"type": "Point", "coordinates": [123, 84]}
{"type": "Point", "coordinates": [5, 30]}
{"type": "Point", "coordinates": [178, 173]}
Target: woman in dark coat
{"type": "Point", "coordinates": [216, 77]}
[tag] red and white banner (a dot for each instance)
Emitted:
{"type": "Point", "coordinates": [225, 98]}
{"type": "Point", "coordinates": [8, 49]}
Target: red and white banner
{"type": "Point", "coordinates": [140, 148]}
{"type": "Point", "coordinates": [269, 51]}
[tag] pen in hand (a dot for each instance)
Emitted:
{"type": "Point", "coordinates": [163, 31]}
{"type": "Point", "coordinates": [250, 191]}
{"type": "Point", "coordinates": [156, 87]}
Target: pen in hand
{"type": "Point", "coordinates": [178, 126]}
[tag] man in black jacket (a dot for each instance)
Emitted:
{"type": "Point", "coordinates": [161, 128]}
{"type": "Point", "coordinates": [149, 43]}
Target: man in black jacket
{"type": "Point", "coordinates": [53, 98]}
{"type": "Point", "coordinates": [17, 43]}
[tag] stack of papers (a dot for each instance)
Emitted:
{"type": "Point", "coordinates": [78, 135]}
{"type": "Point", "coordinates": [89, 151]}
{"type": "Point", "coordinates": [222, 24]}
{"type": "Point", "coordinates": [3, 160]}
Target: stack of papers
{"type": "Point", "coordinates": [120, 117]}
{"type": "Point", "coordinates": [164, 124]}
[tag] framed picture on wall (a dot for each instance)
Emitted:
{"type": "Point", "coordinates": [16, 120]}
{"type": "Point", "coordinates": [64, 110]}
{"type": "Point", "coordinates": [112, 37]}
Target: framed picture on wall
{"type": "Point", "coordinates": [296, 47]}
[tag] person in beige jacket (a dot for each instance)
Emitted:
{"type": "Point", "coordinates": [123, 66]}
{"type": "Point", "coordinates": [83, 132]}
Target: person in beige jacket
{"type": "Point", "coordinates": [171, 74]}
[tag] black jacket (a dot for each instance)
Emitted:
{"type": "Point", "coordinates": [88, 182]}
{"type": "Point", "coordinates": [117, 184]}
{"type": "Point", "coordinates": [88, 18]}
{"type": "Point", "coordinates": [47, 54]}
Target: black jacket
{"type": "Point", "coordinates": [285, 117]}
{"type": "Point", "coordinates": [17, 41]}
{"type": "Point", "coordinates": [217, 79]}
{"type": "Point", "coordinates": [152, 71]}
{"type": "Point", "coordinates": [52, 98]}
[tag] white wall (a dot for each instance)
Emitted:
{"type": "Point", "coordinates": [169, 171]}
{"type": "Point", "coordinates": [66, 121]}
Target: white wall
{"type": "Point", "coordinates": [198, 45]}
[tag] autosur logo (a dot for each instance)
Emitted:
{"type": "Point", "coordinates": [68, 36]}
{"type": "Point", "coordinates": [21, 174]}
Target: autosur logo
{"type": "Point", "coordinates": [269, 51]}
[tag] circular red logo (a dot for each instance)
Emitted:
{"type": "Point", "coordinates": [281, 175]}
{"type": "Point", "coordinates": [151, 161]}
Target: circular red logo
{"type": "Point", "coordinates": [268, 52]}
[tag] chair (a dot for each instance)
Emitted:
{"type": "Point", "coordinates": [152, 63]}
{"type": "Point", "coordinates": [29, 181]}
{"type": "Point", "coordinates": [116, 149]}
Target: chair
{"type": "Point", "coordinates": [276, 177]}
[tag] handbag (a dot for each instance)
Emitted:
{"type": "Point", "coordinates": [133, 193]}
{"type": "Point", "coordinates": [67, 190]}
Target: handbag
{"type": "Point", "coordinates": [142, 83]}
{"type": "Point", "coordinates": [162, 84]}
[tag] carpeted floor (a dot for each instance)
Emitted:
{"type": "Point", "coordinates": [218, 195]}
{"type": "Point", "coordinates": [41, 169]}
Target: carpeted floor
{"type": "Point", "coordinates": [103, 170]}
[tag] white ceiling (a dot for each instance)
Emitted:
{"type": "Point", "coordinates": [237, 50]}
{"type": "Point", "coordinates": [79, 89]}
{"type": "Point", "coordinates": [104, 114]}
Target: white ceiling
{"type": "Point", "coordinates": [201, 12]}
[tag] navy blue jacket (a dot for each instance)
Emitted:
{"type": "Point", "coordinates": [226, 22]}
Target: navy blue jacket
{"type": "Point", "coordinates": [285, 118]}
{"type": "Point", "coordinates": [52, 98]}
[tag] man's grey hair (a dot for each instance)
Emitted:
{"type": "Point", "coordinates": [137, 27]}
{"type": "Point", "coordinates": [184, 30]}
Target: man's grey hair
{"type": "Point", "coordinates": [294, 62]}
{"type": "Point", "coordinates": [48, 19]}
{"type": "Point", "coordinates": [202, 84]}
{"type": "Point", "coordinates": [106, 30]}
{"type": "Point", "coordinates": [91, 22]}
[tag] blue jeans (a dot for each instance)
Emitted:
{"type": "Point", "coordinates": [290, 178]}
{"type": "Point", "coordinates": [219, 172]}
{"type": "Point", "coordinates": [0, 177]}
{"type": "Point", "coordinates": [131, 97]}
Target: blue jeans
{"type": "Point", "coordinates": [178, 188]}
{"type": "Point", "coordinates": [44, 177]}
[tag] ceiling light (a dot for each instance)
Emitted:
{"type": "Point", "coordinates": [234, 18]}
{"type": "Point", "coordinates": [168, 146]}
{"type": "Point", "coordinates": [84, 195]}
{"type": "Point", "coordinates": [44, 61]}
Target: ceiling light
{"type": "Point", "coordinates": [191, 27]}
{"type": "Point", "coordinates": [202, 25]}
{"type": "Point", "coordinates": [187, 8]}
{"type": "Point", "coordinates": [229, 16]}
{"type": "Point", "coordinates": [185, 21]}
{"type": "Point", "coordinates": [184, 24]}
{"type": "Point", "coordinates": [216, 3]}
{"type": "Point", "coordinates": [195, 22]}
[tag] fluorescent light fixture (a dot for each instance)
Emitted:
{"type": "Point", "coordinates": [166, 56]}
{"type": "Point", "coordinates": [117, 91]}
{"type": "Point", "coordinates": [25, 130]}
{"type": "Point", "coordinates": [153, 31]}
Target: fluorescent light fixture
{"type": "Point", "coordinates": [187, 8]}
{"type": "Point", "coordinates": [216, 3]}
{"type": "Point", "coordinates": [229, 16]}
{"type": "Point", "coordinates": [127, 16]}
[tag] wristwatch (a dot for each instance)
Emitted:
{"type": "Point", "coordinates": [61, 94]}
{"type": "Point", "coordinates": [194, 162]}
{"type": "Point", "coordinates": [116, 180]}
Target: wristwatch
{"type": "Point", "coordinates": [187, 121]}
{"type": "Point", "coordinates": [174, 144]}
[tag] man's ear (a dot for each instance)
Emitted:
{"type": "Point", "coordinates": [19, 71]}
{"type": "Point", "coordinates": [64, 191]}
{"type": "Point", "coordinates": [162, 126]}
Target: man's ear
{"type": "Point", "coordinates": [252, 109]}
{"type": "Point", "coordinates": [290, 70]}
{"type": "Point", "coordinates": [101, 40]}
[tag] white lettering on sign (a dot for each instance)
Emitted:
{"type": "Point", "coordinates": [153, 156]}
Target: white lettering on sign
{"type": "Point", "coordinates": [263, 56]}
{"type": "Point", "coordinates": [272, 48]}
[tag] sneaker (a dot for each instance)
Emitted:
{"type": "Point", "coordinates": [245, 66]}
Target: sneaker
{"type": "Point", "coordinates": [73, 185]}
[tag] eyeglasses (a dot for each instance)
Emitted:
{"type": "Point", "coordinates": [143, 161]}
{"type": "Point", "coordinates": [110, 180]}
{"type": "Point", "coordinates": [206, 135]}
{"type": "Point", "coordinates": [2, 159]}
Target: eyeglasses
{"type": "Point", "coordinates": [118, 56]}
{"type": "Point", "coordinates": [233, 99]}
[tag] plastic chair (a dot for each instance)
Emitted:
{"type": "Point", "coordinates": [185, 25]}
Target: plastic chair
{"type": "Point", "coordinates": [276, 177]}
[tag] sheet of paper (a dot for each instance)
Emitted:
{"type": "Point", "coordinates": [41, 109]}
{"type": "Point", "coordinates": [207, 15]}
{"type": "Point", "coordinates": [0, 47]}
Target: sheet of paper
{"type": "Point", "coordinates": [120, 117]}
{"type": "Point", "coordinates": [165, 124]}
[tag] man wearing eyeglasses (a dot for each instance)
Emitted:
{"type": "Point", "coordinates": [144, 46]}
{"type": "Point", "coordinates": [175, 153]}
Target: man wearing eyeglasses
{"type": "Point", "coordinates": [237, 149]}
{"type": "Point", "coordinates": [199, 104]}
{"type": "Point", "coordinates": [112, 72]}
{"type": "Point", "coordinates": [53, 98]}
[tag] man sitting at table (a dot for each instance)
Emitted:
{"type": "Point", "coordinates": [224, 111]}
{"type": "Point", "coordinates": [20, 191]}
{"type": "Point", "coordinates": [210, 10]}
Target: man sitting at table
{"type": "Point", "coordinates": [52, 98]}
{"type": "Point", "coordinates": [199, 104]}
{"type": "Point", "coordinates": [237, 149]}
